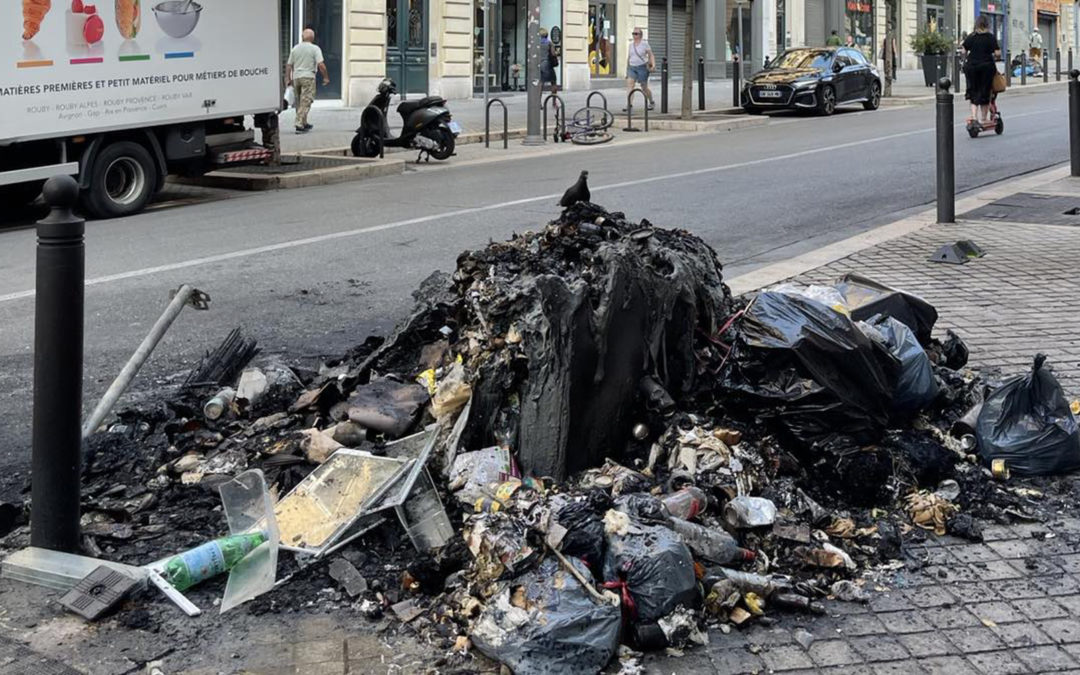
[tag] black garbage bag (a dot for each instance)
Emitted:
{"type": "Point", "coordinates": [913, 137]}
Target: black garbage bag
{"type": "Point", "coordinates": [1027, 422]}
{"type": "Point", "coordinates": [866, 297]}
{"type": "Point", "coordinates": [811, 369]}
{"type": "Point", "coordinates": [561, 629]}
{"type": "Point", "coordinates": [916, 387]}
{"type": "Point", "coordinates": [652, 566]}
{"type": "Point", "coordinates": [583, 519]}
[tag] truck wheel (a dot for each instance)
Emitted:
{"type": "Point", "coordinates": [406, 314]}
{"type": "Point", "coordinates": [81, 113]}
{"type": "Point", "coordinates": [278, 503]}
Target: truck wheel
{"type": "Point", "coordinates": [122, 181]}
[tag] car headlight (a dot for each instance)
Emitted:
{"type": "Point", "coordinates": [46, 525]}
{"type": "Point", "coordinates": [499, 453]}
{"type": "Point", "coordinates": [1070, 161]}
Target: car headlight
{"type": "Point", "coordinates": [806, 84]}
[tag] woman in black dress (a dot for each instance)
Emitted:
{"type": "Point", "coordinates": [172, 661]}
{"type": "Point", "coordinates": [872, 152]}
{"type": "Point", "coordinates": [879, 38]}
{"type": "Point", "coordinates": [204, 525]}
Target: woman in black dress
{"type": "Point", "coordinates": [980, 51]}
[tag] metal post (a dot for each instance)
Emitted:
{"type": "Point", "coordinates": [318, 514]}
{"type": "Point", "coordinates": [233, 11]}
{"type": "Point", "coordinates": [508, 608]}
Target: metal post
{"type": "Point", "coordinates": [735, 80]}
{"type": "Point", "coordinates": [58, 370]}
{"type": "Point", "coordinates": [1046, 67]}
{"type": "Point", "coordinates": [1057, 65]}
{"type": "Point", "coordinates": [667, 33]}
{"type": "Point", "coordinates": [663, 84]}
{"type": "Point", "coordinates": [1008, 68]}
{"type": "Point", "coordinates": [1023, 68]}
{"type": "Point", "coordinates": [701, 83]}
{"type": "Point", "coordinates": [532, 26]}
{"type": "Point", "coordinates": [946, 176]}
{"type": "Point", "coordinates": [956, 66]}
{"type": "Point", "coordinates": [1070, 50]}
{"type": "Point", "coordinates": [487, 32]}
{"type": "Point", "coordinates": [1074, 121]}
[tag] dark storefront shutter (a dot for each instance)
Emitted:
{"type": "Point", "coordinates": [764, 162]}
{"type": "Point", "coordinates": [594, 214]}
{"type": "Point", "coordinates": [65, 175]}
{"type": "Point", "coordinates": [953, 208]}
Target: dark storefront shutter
{"type": "Point", "coordinates": [815, 23]}
{"type": "Point", "coordinates": [657, 14]}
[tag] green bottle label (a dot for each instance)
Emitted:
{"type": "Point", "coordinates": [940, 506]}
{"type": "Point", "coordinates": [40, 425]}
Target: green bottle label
{"type": "Point", "coordinates": [210, 559]}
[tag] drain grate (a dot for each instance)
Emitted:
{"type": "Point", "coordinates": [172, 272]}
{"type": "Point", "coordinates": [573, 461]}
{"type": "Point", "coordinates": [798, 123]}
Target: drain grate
{"type": "Point", "coordinates": [1028, 207]}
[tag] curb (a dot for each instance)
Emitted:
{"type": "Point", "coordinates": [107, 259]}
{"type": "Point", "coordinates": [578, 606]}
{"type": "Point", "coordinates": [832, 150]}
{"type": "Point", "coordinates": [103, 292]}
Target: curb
{"type": "Point", "coordinates": [356, 169]}
{"type": "Point", "coordinates": [775, 273]}
{"type": "Point", "coordinates": [1015, 88]}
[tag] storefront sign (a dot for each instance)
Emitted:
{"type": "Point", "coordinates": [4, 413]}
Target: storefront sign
{"type": "Point", "coordinates": [1047, 6]}
{"type": "Point", "coordinates": [855, 6]}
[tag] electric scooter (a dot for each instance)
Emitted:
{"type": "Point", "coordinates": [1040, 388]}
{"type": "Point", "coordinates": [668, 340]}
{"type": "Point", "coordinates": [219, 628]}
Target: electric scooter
{"type": "Point", "coordinates": [425, 126]}
{"type": "Point", "coordinates": [975, 127]}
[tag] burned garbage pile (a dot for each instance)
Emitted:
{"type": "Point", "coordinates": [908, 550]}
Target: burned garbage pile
{"type": "Point", "coordinates": [579, 442]}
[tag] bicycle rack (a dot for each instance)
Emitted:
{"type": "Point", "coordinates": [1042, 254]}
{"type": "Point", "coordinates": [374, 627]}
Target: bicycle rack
{"type": "Point", "coordinates": [560, 124]}
{"type": "Point", "coordinates": [588, 104]}
{"type": "Point", "coordinates": [487, 124]}
{"type": "Point", "coordinates": [630, 109]}
{"type": "Point", "coordinates": [382, 127]}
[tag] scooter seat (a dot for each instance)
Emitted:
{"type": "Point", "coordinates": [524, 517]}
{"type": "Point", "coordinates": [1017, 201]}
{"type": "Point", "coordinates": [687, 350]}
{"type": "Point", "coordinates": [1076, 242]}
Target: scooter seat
{"type": "Point", "coordinates": [405, 108]}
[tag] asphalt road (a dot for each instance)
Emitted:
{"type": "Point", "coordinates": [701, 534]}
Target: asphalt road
{"type": "Point", "coordinates": [311, 272]}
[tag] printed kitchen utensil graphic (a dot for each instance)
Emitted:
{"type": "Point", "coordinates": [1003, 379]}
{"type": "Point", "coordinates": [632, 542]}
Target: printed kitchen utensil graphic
{"type": "Point", "coordinates": [178, 18]}
{"type": "Point", "coordinates": [34, 12]}
{"type": "Point", "coordinates": [128, 18]}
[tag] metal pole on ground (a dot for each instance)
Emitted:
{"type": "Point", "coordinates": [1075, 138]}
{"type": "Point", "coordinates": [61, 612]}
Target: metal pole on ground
{"type": "Point", "coordinates": [532, 131]}
{"type": "Point", "coordinates": [1008, 69]}
{"type": "Point", "coordinates": [58, 367]}
{"type": "Point", "coordinates": [701, 83]}
{"type": "Point", "coordinates": [1070, 51]}
{"type": "Point", "coordinates": [1046, 67]}
{"type": "Point", "coordinates": [1023, 68]}
{"type": "Point", "coordinates": [1074, 121]}
{"type": "Point", "coordinates": [946, 176]}
{"type": "Point", "coordinates": [663, 84]}
{"type": "Point", "coordinates": [1057, 65]}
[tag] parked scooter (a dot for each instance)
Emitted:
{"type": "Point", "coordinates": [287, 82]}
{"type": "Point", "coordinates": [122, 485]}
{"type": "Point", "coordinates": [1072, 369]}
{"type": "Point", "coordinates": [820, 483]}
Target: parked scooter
{"type": "Point", "coordinates": [425, 126]}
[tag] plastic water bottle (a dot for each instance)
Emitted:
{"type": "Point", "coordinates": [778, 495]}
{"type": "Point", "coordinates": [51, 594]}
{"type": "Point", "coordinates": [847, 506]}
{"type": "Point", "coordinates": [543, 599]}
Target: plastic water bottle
{"type": "Point", "coordinates": [686, 503]}
{"type": "Point", "coordinates": [716, 546]}
{"type": "Point", "coordinates": [194, 566]}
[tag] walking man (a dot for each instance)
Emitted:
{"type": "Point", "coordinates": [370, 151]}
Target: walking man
{"type": "Point", "coordinates": [304, 60]}
{"type": "Point", "coordinates": [640, 62]}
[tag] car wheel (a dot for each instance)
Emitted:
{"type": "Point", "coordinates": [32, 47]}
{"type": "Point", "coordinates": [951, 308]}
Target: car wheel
{"type": "Point", "coordinates": [874, 101]}
{"type": "Point", "coordinates": [827, 100]}
{"type": "Point", "coordinates": [122, 181]}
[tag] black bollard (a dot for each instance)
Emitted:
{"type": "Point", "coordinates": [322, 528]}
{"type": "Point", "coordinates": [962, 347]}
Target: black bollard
{"type": "Point", "coordinates": [701, 83]}
{"type": "Point", "coordinates": [1008, 69]}
{"type": "Point", "coordinates": [1070, 60]}
{"type": "Point", "coordinates": [956, 67]}
{"type": "Point", "coordinates": [58, 363]}
{"type": "Point", "coordinates": [1023, 68]}
{"type": "Point", "coordinates": [736, 76]}
{"type": "Point", "coordinates": [946, 176]}
{"type": "Point", "coordinates": [1046, 67]}
{"type": "Point", "coordinates": [1074, 121]}
{"type": "Point", "coordinates": [1057, 65]}
{"type": "Point", "coordinates": [663, 85]}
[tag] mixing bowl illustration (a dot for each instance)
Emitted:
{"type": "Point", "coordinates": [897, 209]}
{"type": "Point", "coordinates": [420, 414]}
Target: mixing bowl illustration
{"type": "Point", "coordinates": [177, 17]}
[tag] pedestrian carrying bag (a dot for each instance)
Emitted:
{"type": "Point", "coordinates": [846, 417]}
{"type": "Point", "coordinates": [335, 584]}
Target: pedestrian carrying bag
{"type": "Point", "coordinates": [290, 96]}
{"type": "Point", "coordinates": [999, 83]}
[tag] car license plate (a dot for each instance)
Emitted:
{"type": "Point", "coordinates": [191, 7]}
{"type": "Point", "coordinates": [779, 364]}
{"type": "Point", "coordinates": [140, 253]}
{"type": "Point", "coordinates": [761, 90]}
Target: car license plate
{"type": "Point", "coordinates": [455, 127]}
{"type": "Point", "coordinates": [770, 93]}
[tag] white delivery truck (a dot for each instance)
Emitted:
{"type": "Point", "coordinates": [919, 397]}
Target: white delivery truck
{"type": "Point", "coordinates": [122, 93]}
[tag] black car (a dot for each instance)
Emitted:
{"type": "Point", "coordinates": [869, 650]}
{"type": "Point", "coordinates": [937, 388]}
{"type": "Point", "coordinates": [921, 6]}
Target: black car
{"type": "Point", "coordinates": [813, 78]}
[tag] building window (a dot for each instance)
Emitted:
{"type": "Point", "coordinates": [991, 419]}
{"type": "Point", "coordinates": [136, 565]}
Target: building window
{"type": "Point", "coordinates": [602, 39]}
{"type": "Point", "coordinates": [859, 26]}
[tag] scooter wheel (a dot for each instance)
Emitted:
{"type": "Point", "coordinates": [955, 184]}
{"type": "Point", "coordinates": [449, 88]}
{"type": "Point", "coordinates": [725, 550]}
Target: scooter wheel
{"type": "Point", "coordinates": [973, 130]}
{"type": "Point", "coordinates": [364, 146]}
{"type": "Point", "coordinates": [999, 128]}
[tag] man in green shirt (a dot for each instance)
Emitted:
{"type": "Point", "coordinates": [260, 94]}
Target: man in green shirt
{"type": "Point", "coordinates": [833, 40]}
{"type": "Point", "coordinates": [304, 60]}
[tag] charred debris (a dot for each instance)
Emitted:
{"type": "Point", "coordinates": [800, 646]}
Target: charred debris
{"type": "Point", "coordinates": [596, 445]}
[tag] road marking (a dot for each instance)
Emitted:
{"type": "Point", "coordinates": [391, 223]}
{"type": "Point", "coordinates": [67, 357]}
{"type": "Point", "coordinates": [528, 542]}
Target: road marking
{"type": "Point", "coordinates": [332, 236]}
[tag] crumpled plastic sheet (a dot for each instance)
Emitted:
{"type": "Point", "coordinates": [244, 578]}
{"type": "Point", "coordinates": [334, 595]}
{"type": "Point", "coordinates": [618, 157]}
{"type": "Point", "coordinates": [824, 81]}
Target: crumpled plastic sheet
{"type": "Point", "coordinates": [811, 369]}
{"type": "Point", "coordinates": [561, 628]}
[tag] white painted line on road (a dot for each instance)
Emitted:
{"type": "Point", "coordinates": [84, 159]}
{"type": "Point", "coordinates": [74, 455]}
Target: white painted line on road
{"type": "Point", "coordinates": [307, 241]}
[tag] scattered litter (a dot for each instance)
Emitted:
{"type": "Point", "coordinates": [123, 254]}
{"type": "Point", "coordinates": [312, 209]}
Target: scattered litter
{"type": "Point", "coordinates": [98, 592]}
{"type": "Point", "coordinates": [747, 512]}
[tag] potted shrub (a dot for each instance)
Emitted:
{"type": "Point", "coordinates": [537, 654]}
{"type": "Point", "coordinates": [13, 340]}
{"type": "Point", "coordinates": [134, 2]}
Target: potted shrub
{"type": "Point", "coordinates": [932, 48]}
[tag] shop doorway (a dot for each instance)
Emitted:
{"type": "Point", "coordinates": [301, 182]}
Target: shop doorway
{"type": "Point", "coordinates": [602, 57]}
{"type": "Point", "coordinates": [328, 21]}
{"type": "Point", "coordinates": [406, 45]}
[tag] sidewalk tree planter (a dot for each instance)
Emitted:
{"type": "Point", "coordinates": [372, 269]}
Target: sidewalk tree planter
{"type": "Point", "coordinates": [932, 48]}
